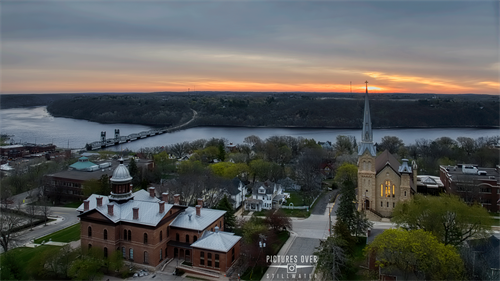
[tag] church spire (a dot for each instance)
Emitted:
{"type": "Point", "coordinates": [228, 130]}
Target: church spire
{"type": "Point", "coordinates": [367, 134]}
{"type": "Point", "coordinates": [367, 122]}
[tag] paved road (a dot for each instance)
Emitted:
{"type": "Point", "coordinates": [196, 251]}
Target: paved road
{"type": "Point", "coordinates": [65, 217]}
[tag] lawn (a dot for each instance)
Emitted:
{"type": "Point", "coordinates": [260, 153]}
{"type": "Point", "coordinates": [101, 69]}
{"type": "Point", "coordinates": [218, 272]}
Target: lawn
{"type": "Point", "coordinates": [22, 257]}
{"type": "Point", "coordinates": [68, 234]}
{"type": "Point", "coordinates": [296, 198]}
{"type": "Point", "coordinates": [297, 213]}
{"type": "Point", "coordinates": [73, 204]}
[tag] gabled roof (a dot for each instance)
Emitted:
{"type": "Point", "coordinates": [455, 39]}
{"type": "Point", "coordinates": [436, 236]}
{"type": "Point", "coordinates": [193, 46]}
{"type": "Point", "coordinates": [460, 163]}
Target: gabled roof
{"type": "Point", "coordinates": [384, 159]}
{"type": "Point", "coordinates": [206, 218]}
{"type": "Point", "coordinates": [148, 209]}
{"type": "Point", "coordinates": [217, 241]}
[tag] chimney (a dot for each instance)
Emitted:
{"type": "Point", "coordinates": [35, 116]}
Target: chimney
{"type": "Point", "coordinates": [216, 229]}
{"type": "Point", "coordinates": [198, 210]}
{"type": "Point", "coordinates": [131, 187]}
{"type": "Point", "coordinates": [85, 205]}
{"type": "Point", "coordinates": [152, 191]}
{"type": "Point", "coordinates": [176, 199]}
{"type": "Point", "coordinates": [136, 213]}
{"type": "Point", "coordinates": [99, 201]}
{"type": "Point", "coordinates": [200, 202]}
{"type": "Point", "coordinates": [189, 216]}
{"type": "Point", "coordinates": [110, 209]}
{"type": "Point", "coordinates": [162, 206]}
{"type": "Point", "coordinates": [164, 197]}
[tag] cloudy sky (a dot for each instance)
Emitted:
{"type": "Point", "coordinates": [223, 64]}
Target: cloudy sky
{"type": "Point", "coordinates": [146, 46]}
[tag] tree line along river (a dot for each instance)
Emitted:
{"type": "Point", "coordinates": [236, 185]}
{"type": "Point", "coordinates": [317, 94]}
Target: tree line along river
{"type": "Point", "coordinates": [36, 125]}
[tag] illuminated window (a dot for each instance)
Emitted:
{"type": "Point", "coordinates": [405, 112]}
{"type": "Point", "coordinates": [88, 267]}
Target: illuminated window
{"type": "Point", "coordinates": [381, 190]}
{"type": "Point", "coordinates": [393, 190]}
{"type": "Point", "coordinates": [387, 188]}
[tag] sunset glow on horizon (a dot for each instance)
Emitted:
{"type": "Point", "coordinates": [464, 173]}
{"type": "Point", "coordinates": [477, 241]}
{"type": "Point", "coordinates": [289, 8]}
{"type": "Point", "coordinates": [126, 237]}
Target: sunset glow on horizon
{"type": "Point", "coordinates": [242, 46]}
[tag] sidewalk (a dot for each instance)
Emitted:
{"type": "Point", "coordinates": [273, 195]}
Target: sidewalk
{"type": "Point", "coordinates": [271, 271]}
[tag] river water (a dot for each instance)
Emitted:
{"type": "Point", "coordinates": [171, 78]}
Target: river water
{"type": "Point", "coordinates": [36, 125]}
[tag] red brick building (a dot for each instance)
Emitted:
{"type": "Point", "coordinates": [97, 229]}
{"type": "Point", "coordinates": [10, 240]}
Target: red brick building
{"type": "Point", "coordinates": [473, 184]}
{"type": "Point", "coordinates": [150, 231]}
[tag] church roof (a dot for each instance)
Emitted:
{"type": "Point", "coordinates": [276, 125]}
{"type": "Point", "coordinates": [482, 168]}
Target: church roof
{"type": "Point", "coordinates": [384, 159]}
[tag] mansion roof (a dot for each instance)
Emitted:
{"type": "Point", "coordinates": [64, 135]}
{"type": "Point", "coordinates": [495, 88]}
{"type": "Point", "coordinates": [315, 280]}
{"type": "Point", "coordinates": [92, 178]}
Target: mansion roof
{"type": "Point", "coordinates": [217, 241]}
{"type": "Point", "coordinates": [148, 209]}
{"type": "Point", "coordinates": [188, 219]}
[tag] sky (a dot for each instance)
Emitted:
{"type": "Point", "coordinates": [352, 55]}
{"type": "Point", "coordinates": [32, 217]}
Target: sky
{"type": "Point", "coordinates": [443, 47]}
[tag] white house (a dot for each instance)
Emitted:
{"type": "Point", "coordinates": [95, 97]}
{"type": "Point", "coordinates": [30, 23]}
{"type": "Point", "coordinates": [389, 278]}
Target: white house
{"type": "Point", "coordinates": [237, 192]}
{"type": "Point", "coordinates": [265, 195]}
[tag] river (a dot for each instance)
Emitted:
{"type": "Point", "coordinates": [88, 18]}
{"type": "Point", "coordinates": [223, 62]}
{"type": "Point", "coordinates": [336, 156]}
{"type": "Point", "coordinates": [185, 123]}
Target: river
{"type": "Point", "coordinates": [36, 125]}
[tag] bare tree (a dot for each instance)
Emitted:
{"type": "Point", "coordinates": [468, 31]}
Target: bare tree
{"type": "Point", "coordinates": [44, 209]}
{"type": "Point", "coordinates": [308, 168]}
{"type": "Point", "coordinates": [179, 149]}
{"type": "Point", "coordinates": [9, 225]}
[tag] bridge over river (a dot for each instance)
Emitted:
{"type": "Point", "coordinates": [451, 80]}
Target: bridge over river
{"type": "Point", "coordinates": [104, 142]}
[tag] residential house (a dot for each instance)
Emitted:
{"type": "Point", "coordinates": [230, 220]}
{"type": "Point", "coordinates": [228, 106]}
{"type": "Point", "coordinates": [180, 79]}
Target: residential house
{"type": "Point", "coordinates": [237, 192]}
{"type": "Point", "coordinates": [265, 195]}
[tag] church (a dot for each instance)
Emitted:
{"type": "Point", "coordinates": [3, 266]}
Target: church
{"type": "Point", "coordinates": [382, 180]}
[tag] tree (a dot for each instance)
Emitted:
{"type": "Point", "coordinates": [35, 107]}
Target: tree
{"type": "Point", "coordinates": [361, 224]}
{"type": "Point", "coordinates": [390, 143]}
{"type": "Point", "coordinates": [344, 145]}
{"type": "Point", "coordinates": [307, 169]}
{"type": "Point", "coordinates": [44, 209]}
{"type": "Point", "coordinates": [100, 186]}
{"type": "Point", "coordinates": [9, 224]}
{"type": "Point", "coordinates": [179, 149]}
{"type": "Point", "coordinates": [346, 212]}
{"type": "Point", "coordinates": [278, 220]}
{"type": "Point", "coordinates": [88, 266]}
{"type": "Point", "coordinates": [229, 219]}
{"type": "Point", "coordinates": [418, 252]}
{"type": "Point", "coordinates": [447, 217]}
{"type": "Point", "coordinates": [331, 258]}
{"type": "Point", "coordinates": [132, 168]}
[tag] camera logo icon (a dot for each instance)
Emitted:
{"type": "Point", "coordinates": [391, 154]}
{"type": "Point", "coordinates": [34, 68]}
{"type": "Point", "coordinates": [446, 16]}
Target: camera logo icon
{"type": "Point", "coordinates": [291, 268]}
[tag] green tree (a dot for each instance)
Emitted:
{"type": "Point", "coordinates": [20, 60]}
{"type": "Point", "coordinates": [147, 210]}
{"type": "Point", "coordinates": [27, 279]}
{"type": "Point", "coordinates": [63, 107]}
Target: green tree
{"type": "Point", "coordinates": [132, 168]}
{"type": "Point", "coordinates": [190, 167]}
{"type": "Point", "coordinates": [88, 266]}
{"type": "Point", "coordinates": [229, 218]}
{"type": "Point", "coordinates": [260, 169]}
{"type": "Point", "coordinates": [100, 186]}
{"type": "Point", "coordinates": [332, 258]}
{"type": "Point", "coordinates": [346, 178]}
{"type": "Point", "coordinates": [419, 252]}
{"type": "Point", "coordinates": [447, 217]}
{"type": "Point", "coordinates": [390, 143]}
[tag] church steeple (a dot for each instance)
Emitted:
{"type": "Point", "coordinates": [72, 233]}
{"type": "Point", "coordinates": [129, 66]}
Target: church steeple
{"type": "Point", "coordinates": [367, 134]}
{"type": "Point", "coordinates": [367, 122]}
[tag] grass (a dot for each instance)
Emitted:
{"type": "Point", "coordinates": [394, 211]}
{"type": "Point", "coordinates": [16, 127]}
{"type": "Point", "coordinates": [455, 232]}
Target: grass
{"type": "Point", "coordinates": [68, 234]}
{"type": "Point", "coordinates": [23, 256]}
{"type": "Point", "coordinates": [260, 213]}
{"type": "Point", "coordinates": [296, 198]}
{"type": "Point", "coordinates": [73, 204]}
{"type": "Point", "coordinates": [297, 213]}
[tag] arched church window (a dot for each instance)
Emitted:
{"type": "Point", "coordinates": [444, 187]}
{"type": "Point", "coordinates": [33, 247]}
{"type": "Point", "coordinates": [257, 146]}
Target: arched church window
{"type": "Point", "coordinates": [387, 188]}
{"type": "Point", "coordinates": [369, 166]}
{"type": "Point", "coordinates": [381, 190]}
{"type": "Point", "coordinates": [393, 190]}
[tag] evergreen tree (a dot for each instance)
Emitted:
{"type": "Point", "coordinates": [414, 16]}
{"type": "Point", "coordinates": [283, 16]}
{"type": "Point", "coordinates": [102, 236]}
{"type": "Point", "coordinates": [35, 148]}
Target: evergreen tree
{"type": "Point", "coordinates": [132, 168]}
{"type": "Point", "coordinates": [229, 218]}
{"type": "Point", "coordinates": [347, 210]}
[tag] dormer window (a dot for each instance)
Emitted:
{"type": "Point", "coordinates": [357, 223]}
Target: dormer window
{"type": "Point", "coordinates": [262, 190]}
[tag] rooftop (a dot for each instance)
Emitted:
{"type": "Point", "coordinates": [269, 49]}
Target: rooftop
{"type": "Point", "coordinates": [216, 241]}
{"type": "Point", "coordinates": [148, 208]}
{"type": "Point", "coordinates": [188, 219]}
{"type": "Point", "coordinates": [456, 174]}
